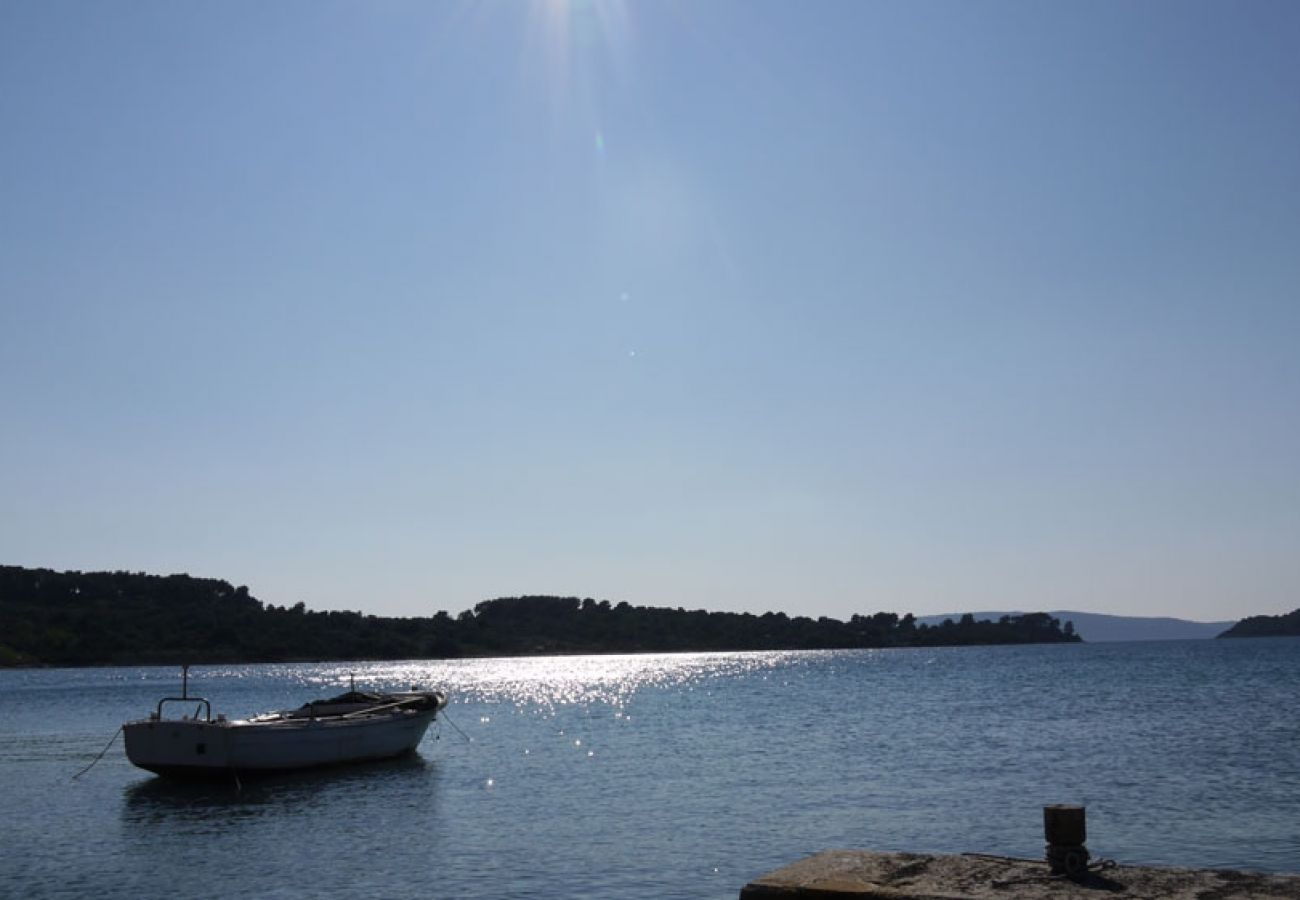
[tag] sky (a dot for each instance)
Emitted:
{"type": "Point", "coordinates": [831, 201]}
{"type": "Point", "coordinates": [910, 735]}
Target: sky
{"type": "Point", "coordinates": [825, 308]}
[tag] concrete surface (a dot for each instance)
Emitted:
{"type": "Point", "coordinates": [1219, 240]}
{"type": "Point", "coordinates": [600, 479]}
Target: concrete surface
{"type": "Point", "coordinates": [846, 874]}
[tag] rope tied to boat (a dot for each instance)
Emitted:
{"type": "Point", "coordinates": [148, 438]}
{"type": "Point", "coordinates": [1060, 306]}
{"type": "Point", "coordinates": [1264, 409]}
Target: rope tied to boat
{"type": "Point", "coordinates": [101, 754]}
{"type": "Point", "coordinates": [1097, 865]}
{"type": "Point", "coordinates": [443, 712]}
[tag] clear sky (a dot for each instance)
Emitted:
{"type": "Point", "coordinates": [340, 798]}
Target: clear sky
{"type": "Point", "coordinates": [823, 307]}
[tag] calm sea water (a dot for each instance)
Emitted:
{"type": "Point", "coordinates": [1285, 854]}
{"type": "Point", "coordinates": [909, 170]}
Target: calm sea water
{"type": "Point", "coordinates": [672, 775]}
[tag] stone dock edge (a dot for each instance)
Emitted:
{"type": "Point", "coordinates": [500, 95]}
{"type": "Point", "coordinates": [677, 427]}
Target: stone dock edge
{"type": "Point", "coordinates": [846, 874]}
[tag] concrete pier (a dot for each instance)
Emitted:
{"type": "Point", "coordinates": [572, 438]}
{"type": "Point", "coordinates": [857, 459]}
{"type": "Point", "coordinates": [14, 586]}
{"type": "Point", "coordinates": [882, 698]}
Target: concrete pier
{"type": "Point", "coordinates": [847, 874]}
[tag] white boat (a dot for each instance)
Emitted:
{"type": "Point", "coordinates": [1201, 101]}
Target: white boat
{"type": "Point", "coordinates": [352, 727]}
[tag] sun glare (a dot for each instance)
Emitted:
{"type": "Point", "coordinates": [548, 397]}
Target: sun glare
{"type": "Point", "coordinates": [579, 40]}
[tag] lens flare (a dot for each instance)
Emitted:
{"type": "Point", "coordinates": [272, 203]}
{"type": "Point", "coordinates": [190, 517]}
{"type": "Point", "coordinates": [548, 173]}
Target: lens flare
{"type": "Point", "coordinates": [581, 43]}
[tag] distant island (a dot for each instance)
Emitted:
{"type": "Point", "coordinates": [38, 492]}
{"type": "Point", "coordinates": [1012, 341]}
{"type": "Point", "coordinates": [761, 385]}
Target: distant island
{"type": "Point", "coordinates": [130, 618]}
{"type": "Point", "coordinates": [1100, 628]}
{"type": "Point", "coordinates": [1266, 626]}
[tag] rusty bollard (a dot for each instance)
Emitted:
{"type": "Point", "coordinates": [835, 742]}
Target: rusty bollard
{"type": "Point", "coordinates": [1066, 831]}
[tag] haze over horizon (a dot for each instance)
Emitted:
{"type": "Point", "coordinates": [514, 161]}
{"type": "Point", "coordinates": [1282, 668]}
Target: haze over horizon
{"type": "Point", "coordinates": [824, 309]}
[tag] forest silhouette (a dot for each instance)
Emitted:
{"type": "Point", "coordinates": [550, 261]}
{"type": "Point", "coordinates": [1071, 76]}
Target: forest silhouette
{"type": "Point", "coordinates": [133, 618]}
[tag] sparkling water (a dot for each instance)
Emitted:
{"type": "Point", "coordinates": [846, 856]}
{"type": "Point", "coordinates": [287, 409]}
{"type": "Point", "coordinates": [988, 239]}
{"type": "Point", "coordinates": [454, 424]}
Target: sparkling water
{"type": "Point", "coordinates": [681, 775]}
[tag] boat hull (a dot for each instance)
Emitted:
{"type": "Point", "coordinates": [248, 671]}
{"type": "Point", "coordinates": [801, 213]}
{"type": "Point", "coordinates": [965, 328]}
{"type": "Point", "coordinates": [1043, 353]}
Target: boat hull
{"type": "Point", "coordinates": [198, 748]}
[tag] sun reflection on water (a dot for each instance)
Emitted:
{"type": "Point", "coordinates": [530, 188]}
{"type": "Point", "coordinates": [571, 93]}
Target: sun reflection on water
{"type": "Point", "coordinates": [542, 683]}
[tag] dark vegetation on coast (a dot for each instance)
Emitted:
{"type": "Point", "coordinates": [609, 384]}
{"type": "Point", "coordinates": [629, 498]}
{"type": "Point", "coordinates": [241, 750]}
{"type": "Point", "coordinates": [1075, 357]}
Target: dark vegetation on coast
{"type": "Point", "coordinates": [127, 618]}
{"type": "Point", "coordinates": [1266, 626]}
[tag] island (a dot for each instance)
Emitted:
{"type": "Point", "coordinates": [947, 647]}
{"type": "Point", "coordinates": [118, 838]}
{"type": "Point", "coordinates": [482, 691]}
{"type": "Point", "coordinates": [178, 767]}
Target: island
{"type": "Point", "coordinates": [133, 618]}
{"type": "Point", "coordinates": [1266, 626]}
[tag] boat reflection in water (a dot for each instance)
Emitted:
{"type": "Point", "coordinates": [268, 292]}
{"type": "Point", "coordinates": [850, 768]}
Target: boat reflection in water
{"type": "Point", "coordinates": [353, 727]}
{"type": "Point", "coordinates": [200, 804]}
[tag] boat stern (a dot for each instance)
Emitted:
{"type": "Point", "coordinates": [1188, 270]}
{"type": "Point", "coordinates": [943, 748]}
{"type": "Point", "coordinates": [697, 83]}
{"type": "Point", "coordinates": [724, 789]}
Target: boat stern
{"type": "Point", "coordinates": [177, 746]}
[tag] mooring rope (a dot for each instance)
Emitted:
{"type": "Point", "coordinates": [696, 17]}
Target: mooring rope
{"type": "Point", "coordinates": [443, 713]}
{"type": "Point", "coordinates": [101, 755]}
{"type": "Point", "coordinates": [1099, 864]}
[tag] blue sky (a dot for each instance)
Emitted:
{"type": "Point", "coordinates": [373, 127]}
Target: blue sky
{"type": "Point", "coordinates": [816, 307]}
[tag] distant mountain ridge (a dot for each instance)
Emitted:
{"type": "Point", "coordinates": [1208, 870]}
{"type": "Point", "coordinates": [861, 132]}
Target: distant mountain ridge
{"type": "Point", "coordinates": [1098, 627]}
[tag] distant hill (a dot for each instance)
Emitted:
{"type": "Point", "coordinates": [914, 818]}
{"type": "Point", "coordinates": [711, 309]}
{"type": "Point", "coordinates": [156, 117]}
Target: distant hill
{"type": "Point", "coordinates": [1266, 626]}
{"type": "Point", "coordinates": [1098, 628]}
{"type": "Point", "coordinates": [89, 618]}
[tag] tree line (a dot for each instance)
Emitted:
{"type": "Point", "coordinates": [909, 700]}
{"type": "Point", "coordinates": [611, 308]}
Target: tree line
{"type": "Point", "coordinates": [133, 618]}
{"type": "Point", "coordinates": [1266, 626]}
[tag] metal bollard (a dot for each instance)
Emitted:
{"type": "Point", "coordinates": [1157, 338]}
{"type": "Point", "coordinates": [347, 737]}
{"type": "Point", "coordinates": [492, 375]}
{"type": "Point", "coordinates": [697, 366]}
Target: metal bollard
{"type": "Point", "coordinates": [1066, 830]}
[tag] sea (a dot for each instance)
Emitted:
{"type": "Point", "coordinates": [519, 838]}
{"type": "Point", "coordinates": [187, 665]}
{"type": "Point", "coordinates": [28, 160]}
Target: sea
{"type": "Point", "coordinates": [666, 776]}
